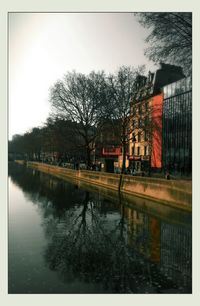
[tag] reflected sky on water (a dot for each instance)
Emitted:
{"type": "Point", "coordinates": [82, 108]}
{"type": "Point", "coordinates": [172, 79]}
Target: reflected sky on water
{"type": "Point", "coordinates": [66, 238]}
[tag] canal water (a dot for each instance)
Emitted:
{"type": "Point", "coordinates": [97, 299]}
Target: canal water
{"type": "Point", "coordinates": [66, 237]}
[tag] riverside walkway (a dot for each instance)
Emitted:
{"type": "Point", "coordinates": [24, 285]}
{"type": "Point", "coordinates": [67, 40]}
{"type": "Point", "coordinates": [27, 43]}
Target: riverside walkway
{"type": "Point", "coordinates": [175, 193]}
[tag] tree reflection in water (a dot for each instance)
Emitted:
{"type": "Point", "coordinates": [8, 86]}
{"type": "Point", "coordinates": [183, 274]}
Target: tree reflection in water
{"type": "Point", "coordinates": [93, 249]}
{"type": "Point", "coordinates": [93, 240]}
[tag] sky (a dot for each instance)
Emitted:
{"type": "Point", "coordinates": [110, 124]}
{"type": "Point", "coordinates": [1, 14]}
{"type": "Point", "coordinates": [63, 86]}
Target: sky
{"type": "Point", "coordinates": [44, 46]}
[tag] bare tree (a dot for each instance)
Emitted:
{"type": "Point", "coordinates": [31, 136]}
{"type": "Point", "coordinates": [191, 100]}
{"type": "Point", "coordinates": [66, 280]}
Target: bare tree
{"type": "Point", "coordinates": [122, 87]}
{"type": "Point", "coordinates": [170, 37]}
{"type": "Point", "coordinates": [83, 100]}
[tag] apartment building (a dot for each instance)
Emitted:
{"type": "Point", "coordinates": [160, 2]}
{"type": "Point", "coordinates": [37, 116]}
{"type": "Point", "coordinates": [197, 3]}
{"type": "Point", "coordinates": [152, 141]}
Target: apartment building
{"type": "Point", "coordinates": [145, 147]}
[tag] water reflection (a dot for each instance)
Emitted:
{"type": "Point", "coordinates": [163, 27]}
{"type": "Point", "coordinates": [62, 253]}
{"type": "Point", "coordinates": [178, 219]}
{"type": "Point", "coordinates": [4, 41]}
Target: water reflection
{"type": "Point", "coordinates": [104, 242]}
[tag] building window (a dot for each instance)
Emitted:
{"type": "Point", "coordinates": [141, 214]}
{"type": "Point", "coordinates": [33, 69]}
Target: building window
{"type": "Point", "coordinates": [139, 136]}
{"type": "Point", "coordinates": [146, 121]}
{"type": "Point", "coordinates": [146, 136]}
{"type": "Point", "coordinates": [138, 150]}
{"type": "Point", "coordinates": [145, 150]}
{"type": "Point", "coordinates": [146, 107]}
{"type": "Point", "coordinates": [133, 150]}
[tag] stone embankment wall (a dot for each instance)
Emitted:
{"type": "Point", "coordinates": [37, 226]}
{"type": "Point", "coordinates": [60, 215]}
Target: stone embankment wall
{"type": "Point", "coordinates": [171, 192]}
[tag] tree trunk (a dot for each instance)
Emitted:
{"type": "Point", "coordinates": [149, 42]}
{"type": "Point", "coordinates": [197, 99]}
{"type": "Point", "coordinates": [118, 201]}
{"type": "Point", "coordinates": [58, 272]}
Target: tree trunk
{"type": "Point", "coordinates": [123, 158]}
{"type": "Point", "coordinates": [88, 157]}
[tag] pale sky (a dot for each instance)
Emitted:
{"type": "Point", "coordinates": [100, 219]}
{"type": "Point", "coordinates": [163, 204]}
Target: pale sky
{"type": "Point", "coordinates": [44, 46]}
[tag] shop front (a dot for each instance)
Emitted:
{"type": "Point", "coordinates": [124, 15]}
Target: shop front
{"type": "Point", "coordinates": [134, 163]}
{"type": "Point", "coordinates": [139, 163]}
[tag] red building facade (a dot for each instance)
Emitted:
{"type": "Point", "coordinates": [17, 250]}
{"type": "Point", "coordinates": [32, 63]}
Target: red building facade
{"type": "Point", "coordinates": [156, 152]}
{"type": "Point", "coordinates": [145, 149]}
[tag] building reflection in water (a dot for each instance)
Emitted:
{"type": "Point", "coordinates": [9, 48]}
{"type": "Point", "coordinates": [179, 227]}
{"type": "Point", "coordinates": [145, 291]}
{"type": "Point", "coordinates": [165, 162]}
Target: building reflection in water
{"type": "Point", "coordinates": [166, 245]}
{"type": "Point", "coordinates": [102, 241]}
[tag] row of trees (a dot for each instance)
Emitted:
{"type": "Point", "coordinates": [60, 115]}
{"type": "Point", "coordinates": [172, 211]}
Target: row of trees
{"type": "Point", "coordinates": [81, 106]}
{"type": "Point", "coordinates": [55, 136]}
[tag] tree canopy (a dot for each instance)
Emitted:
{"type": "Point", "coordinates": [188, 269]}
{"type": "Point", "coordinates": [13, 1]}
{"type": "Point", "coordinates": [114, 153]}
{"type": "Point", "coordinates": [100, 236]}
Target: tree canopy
{"type": "Point", "coordinates": [170, 37]}
{"type": "Point", "coordinates": [82, 99]}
